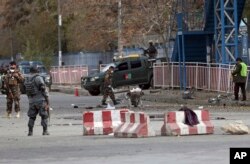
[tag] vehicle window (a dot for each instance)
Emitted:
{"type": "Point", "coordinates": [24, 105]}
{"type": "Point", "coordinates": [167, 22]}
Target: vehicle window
{"type": "Point", "coordinates": [24, 70]}
{"type": "Point", "coordinates": [107, 67]}
{"type": "Point", "coordinates": [123, 66]}
{"type": "Point", "coordinates": [42, 70]}
{"type": "Point", "coordinates": [135, 64]}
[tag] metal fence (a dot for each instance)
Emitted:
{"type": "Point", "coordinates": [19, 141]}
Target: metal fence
{"type": "Point", "coordinates": [68, 74]}
{"type": "Point", "coordinates": [211, 77]}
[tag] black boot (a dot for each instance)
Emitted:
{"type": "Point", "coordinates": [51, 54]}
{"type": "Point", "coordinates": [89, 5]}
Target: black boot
{"type": "Point", "coordinates": [30, 132]}
{"type": "Point", "coordinates": [45, 131]}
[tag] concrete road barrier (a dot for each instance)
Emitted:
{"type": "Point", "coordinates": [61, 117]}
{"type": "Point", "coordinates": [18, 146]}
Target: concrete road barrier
{"type": "Point", "coordinates": [174, 124]}
{"type": "Point", "coordinates": [101, 122]}
{"type": "Point", "coordinates": [134, 125]}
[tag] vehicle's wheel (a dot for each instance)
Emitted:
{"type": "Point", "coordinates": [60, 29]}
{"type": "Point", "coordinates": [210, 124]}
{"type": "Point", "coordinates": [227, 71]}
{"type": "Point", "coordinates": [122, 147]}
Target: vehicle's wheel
{"type": "Point", "coordinates": [95, 92]}
{"type": "Point", "coordinates": [141, 86]}
{"type": "Point", "coordinates": [151, 84]}
{"type": "Point", "coordinates": [144, 86]}
{"type": "Point", "coordinates": [147, 86]}
{"type": "Point", "coordinates": [101, 89]}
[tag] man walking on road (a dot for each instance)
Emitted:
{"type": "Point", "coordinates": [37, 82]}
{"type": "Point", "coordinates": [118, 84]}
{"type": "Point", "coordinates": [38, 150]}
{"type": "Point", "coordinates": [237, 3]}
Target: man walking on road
{"type": "Point", "coordinates": [239, 79]}
{"type": "Point", "coordinates": [107, 88]}
{"type": "Point", "coordinates": [38, 100]}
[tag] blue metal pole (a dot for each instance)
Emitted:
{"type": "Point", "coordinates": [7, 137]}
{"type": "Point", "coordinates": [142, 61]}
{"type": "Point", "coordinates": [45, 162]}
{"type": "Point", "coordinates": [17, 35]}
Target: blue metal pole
{"type": "Point", "coordinates": [179, 54]}
{"type": "Point", "coordinates": [183, 63]}
{"type": "Point", "coordinates": [222, 16]}
{"type": "Point", "coordinates": [216, 33]}
{"type": "Point", "coordinates": [180, 33]}
{"type": "Point", "coordinates": [236, 29]}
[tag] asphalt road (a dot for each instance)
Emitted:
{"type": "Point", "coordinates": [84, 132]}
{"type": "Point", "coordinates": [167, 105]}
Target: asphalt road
{"type": "Point", "coordinates": [67, 145]}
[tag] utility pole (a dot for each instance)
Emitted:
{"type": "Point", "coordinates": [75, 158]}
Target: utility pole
{"type": "Point", "coordinates": [59, 33]}
{"type": "Point", "coordinates": [120, 46]}
{"type": "Point", "coordinates": [11, 44]}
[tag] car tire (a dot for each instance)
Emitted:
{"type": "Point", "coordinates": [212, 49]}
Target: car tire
{"type": "Point", "coordinates": [101, 89]}
{"type": "Point", "coordinates": [95, 92]}
{"type": "Point", "coordinates": [151, 84]}
{"type": "Point", "coordinates": [147, 86]}
{"type": "Point", "coordinates": [143, 86]}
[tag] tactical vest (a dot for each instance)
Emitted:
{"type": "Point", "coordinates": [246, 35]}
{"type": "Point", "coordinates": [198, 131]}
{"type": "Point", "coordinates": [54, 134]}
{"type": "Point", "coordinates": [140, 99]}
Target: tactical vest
{"type": "Point", "coordinates": [30, 86]}
{"type": "Point", "coordinates": [12, 80]}
{"type": "Point", "coordinates": [243, 71]}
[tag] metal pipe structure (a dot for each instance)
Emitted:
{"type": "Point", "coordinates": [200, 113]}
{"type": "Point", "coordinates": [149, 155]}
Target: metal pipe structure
{"type": "Point", "coordinates": [59, 33]}
{"type": "Point", "coordinates": [226, 30]}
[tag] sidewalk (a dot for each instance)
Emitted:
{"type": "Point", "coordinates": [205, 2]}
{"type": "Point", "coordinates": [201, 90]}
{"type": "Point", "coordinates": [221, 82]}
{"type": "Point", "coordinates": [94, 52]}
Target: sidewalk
{"type": "Point", "coordinates": [199, 97]}
{"type": "Point", "coordinates": [69, 89]}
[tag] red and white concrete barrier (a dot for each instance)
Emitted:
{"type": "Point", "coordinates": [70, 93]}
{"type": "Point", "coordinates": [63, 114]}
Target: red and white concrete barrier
{"type": "Point", "coordinates": [174, 124]}
{"type": "Point", "coordinates": [101, 122]}
{"type": "Point", "coordinates": [134, 125]}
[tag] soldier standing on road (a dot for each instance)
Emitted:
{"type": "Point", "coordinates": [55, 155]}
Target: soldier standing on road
{"type": "Point", "coordinates": [239, 79]}
{"type": "Point", "coordinates": [151, 51]}
{"type": "Point", "coordinates": [107, 88]}
{"type": "Point", "coordinates": [38, 100]}
{"type": "Point", "coordinates": [3, 72]}
{"type": "Point", "coordinates": [11, 83]}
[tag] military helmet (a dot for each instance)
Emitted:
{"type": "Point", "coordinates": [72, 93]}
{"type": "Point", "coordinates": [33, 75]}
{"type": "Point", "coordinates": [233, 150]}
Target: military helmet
{"type": "Point", "coordinates": [150, 41]}
{"type": "Point", "coordinates": [34, 69]}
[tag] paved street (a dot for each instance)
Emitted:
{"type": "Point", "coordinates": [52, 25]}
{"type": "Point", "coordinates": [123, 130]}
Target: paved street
{"type": "Point", "coordinates": [67, 145]}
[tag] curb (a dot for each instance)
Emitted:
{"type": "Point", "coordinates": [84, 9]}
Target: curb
{"type": "Point", "coordinates": [69, 90]}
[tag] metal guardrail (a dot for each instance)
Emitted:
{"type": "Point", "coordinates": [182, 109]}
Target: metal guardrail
{"type": "Point", "coordinates": [211, 77]}
{"type": "Point", "coordinates": [68, 74]}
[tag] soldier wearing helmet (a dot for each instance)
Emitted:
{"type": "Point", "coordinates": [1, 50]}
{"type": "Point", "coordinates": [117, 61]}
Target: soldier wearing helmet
{"type": "Point", "coordinates": [107, 88]}
{"type": "Point", "coordinates": [151, 51]}
{"type": "Point", "coordinates": [38, 100]}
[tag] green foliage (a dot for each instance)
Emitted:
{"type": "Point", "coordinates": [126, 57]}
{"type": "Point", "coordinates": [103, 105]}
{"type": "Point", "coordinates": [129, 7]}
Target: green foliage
{"type": "Point", "coordinates": [38, 38]}
{"type": "Point", "coordinates": [34, 25]}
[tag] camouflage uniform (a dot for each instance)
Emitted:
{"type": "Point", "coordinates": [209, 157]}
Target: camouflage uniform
{"type": "Point", "coordinates": [107, 87]}
{"type": "Point", "coordinates": [11, 84]}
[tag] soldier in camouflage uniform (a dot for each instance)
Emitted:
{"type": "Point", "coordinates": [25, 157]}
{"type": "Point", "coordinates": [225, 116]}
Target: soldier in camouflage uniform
{"type": "Point", "coordinates": [11, 83]}
{"type": "Point", "coordinates": [107, 88]}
